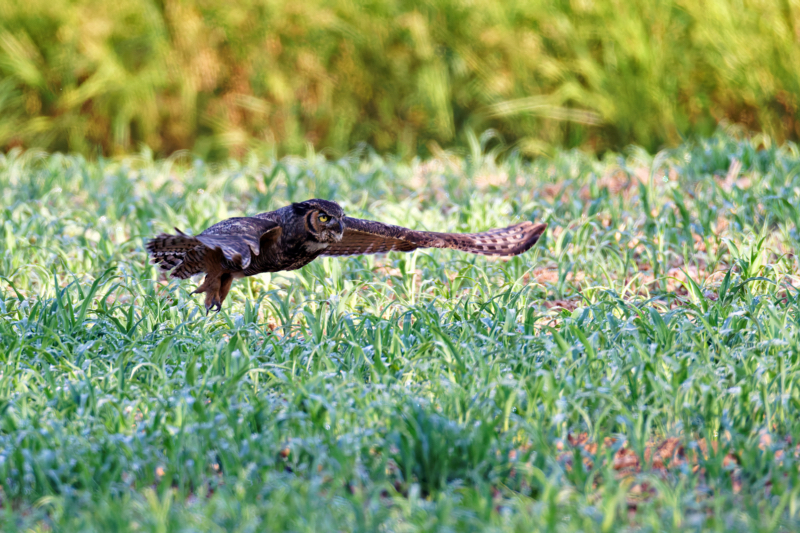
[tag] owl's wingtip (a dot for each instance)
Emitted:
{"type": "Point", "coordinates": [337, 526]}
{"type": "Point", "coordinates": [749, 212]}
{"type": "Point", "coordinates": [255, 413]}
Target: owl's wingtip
{"type": "Point", "coordinates": [531, 238]}
{"type": "Point", "coordinates": [539, 229]}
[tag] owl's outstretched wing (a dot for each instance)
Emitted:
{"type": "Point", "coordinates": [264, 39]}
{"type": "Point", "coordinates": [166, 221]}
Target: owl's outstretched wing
{"type": "Point", "coordinates": [369, 237]}
{"type": "Point", "coordinates": [239, 239]}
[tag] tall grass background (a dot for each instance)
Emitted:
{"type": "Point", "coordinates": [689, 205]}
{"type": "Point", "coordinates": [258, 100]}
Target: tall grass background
{"type": "Point", "coordinates": [221, 78]}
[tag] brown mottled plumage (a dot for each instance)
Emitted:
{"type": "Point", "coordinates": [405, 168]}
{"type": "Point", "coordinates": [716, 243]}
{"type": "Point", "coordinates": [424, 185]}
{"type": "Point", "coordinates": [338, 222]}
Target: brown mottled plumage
{"type": "Point", "coordinates": [295, 235]}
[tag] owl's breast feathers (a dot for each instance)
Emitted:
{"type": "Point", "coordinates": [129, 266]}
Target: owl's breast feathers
{"type": "Point", "coordinates": [313, 246]}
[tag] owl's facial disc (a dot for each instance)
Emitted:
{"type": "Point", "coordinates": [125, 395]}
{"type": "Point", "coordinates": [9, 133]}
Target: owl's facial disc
{"type": "Point", "coordinates": [325, 227]}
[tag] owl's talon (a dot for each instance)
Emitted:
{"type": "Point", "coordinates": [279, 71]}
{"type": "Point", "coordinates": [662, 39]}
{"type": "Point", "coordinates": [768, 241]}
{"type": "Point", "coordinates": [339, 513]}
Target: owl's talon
{"type": "Point", "coordinates": [213, 303]}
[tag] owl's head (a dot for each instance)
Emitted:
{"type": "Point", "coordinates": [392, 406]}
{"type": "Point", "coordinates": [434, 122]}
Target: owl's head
{"type": "Point", "coordinates": [322, 219]}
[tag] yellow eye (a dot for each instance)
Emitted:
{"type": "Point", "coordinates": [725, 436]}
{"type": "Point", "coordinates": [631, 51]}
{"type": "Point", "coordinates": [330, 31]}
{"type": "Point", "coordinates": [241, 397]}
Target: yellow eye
{"type": "Point", "coordinates": [324, 218]}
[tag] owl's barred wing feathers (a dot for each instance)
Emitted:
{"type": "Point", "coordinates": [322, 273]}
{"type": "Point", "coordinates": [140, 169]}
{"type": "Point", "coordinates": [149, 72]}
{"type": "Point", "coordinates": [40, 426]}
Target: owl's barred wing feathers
{"type": "Point", "coordinates": [238, 239]}
{"type": "Point", "coordinates": [369, 237]}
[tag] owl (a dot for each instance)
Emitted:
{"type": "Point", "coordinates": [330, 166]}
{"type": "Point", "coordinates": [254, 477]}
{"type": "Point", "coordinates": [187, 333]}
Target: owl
{"type": "Point", "coordinates": [293, 236]}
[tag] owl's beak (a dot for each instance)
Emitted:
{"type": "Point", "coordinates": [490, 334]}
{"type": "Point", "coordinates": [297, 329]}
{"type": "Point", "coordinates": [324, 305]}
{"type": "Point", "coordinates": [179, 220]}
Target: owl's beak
{"type": "Point", "coordinates": [334, 229]}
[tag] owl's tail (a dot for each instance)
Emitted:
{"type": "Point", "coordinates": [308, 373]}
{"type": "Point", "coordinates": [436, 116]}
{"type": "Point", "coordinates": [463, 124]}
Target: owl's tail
{"type": "Point", "coordinates": [183, 254]}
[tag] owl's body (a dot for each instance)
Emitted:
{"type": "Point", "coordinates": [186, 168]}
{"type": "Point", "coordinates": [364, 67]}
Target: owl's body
{"type": "Point", "coordinates": [293, 236]}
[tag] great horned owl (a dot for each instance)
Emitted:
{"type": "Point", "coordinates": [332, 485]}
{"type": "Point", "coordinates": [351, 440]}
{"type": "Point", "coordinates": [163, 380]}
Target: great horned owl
{"type": "Point", "coordinates": [295, 235]}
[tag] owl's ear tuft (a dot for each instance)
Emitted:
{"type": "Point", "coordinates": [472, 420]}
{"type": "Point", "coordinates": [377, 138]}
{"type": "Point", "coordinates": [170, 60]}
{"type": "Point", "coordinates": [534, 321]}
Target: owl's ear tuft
{"type": "Point", "coordinates": [300, 209]}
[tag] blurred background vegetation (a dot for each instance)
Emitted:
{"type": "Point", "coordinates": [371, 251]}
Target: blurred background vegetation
{"type": "Point", "coordinates": [407, 77]}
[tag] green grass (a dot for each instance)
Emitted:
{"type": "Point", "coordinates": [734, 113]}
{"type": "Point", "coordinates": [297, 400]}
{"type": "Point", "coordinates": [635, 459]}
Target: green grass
{"type": "Point", "coordinates": [220, 77]}
{"type": "Point", "coordinates": [434, 391]}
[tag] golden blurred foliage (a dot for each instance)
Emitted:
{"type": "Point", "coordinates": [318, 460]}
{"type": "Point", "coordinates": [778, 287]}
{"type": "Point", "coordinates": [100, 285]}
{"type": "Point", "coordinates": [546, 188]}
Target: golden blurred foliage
{"type": "Point", "coordinates": [219, 77]}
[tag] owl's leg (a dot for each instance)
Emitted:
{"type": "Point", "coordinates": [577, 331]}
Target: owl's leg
{"type": "Point", "coordinates": [225, 286]}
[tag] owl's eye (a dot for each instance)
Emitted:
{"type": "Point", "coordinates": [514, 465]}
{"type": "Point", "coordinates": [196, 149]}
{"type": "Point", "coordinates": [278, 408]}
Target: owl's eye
{"type": "Point", "coordinates": [324, 218]}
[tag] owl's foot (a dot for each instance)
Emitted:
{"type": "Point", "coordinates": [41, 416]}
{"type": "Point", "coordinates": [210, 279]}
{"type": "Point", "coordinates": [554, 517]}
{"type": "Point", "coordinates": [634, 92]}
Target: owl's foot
{"type": "Point", "coordinates": [216, 288]}
{"type": "Point", "coordinates": [210, 286]}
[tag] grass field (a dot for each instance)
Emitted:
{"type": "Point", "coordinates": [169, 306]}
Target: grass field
{"type": "Point", "coordinates": [637, 369]}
